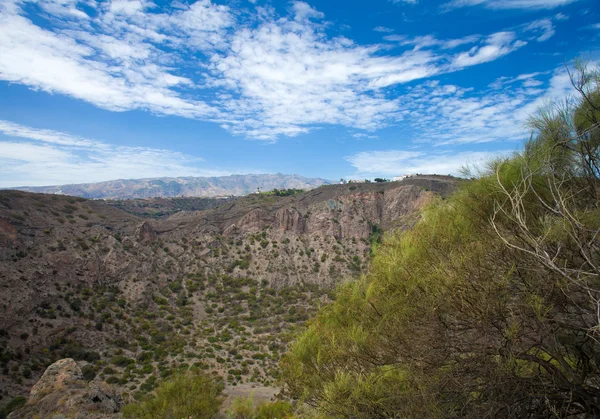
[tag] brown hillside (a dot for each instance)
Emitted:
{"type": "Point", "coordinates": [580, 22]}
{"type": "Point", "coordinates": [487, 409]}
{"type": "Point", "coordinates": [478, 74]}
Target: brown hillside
{"type": "Point", "coordinates": [134, 299]}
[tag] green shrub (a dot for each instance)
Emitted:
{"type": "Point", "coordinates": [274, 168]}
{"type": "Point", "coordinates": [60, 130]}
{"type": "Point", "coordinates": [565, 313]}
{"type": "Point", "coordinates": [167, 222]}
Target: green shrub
{"type": "Point", "coordinates": [182, 396]}
{"type": "Point", "coordinates": [14, 404]}
{"type": "Point", "coordinates": [247, 408]}
{"type": "Point", "coordinates": [488, 306]}
{"type": "Point", "coordinates": [175, 286]}
{"type": "Point", "coordinates": [89, 372]}
{"type": "Point", "coordinates": [122, 361]}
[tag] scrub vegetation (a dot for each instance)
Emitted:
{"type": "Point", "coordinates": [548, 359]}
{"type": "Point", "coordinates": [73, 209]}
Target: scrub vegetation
{"type": "Point", "coordinates": [489, 306]}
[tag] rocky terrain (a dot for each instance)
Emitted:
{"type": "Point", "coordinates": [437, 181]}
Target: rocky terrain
{"type": "Point", "coordinates": [63, 391]}
{"type": "Point", "coordinates": [237, 185]}
{"type": "Point", "coordinates": [163, 207]}
{"type": "Point", "coordinates": [133, 300]}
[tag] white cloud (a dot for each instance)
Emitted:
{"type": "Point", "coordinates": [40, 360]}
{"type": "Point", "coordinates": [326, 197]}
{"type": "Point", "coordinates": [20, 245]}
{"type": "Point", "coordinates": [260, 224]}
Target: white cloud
{"type": "Point", "coordinates": [37, 157]}
{"type": "Point", "coordinates": [593, 27]}
{"type": "Point", "coordinates": [398, 162]}
{"type": "Point", "coordinates": [543, 29]}
{"type": "Point", "coordinates": [126, 7]}
{"type": "Point", "coordinates": [260, 75]}
{"type": "Point", "coordinates": [528, 80]}
{"type": "Point", "coordinates": [448, 114]}
{"type": "Point", "coordinates": [47, 136]}
{"type": "Point", "coordinates": [362, 135]}
{"type": "Point", "coordinates": [496, 46]}
{"type": "Point", "coordinates": [291, 78]}
{"type": "Point", "coordinates": [508, 4]}
{"type": "Point", "coordinates": [383, 29]}
{"type": "Point", "coordinates": [114, 65]}
{"type": "Point", "coordinates": [303, 11]}
{"type": "Point", "coordinates": [427, 41]}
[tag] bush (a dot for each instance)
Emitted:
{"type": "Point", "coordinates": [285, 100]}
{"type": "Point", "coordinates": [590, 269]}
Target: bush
{"type": "Point", "coordinates": [89, 372]}
{"type": "Point", "coordinates": [246, 408]}
{"type": "Point", "coordinates": [175, 286]}
{"type": "Point", "coordinates": [13, 405]}
{"type": "Point", "coordinates": [488, 307]}
{"type": "Point", "coordinates": [183, 396]}
{"type": "Point", "coordinates": [122, 361]}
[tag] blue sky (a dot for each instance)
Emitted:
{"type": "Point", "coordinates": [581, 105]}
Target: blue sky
{"type": "Point", "coordinates": [93, 91]}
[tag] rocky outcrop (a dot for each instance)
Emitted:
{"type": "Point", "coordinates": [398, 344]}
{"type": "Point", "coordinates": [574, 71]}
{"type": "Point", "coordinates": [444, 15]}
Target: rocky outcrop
{"type": "Point", "coordinates": [288, 219]}
{"type": "Point", "coordinates": [61, 392]}
{"type": "Point", "coordinates": [254, 220]}
{"type": "Point", "coordinates": [63, 373]}
{"type": "Point", "coordinates": [146, 232]}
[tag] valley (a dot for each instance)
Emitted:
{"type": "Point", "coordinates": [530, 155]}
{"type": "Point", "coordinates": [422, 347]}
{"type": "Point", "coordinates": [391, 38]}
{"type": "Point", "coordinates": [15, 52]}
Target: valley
{"type": "Point", "coordinates": [135, 300]}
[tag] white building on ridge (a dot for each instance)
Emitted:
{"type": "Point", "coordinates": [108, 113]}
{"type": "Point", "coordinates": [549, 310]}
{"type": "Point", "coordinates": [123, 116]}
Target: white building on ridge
{"type": "Point", "coordinates": [399, 178]}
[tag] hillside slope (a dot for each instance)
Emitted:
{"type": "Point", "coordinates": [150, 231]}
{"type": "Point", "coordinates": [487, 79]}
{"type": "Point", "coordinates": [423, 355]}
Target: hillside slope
{"type": "Point", "coordinates": [219, 289]}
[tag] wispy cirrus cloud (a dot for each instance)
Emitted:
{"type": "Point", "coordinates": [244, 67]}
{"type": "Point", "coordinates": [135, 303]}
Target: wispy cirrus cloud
{"type": "Point", "coordinates": [451, 118]}
{"type": "Point", "coordinates": [36, 157]}
{"type": "Point", "coordinates": [542, 29]}
{"type": "Point", "coordinates": [495, 46]}
{"type": "Point", "coordinates": [109, 61]}
{"type": "Point", "coordinates": [427, 41]}
{"type": "Point", "coordinates": [508, 4]}
{"type": "Point", "coordinates": [527, 80]}
{"type": "Point", "coordinates": [446, 114]}
{"type": "Point", "coordinates": [369, 164]}
{"type": "Point", "coordinates": [260, 75]}
{"type": "Point", "coordinates": [383, 29]}
{"type": "Point", "coordinates": [593, 27]}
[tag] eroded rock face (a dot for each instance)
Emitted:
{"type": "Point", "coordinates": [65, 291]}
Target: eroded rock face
{"type": "Point", "coordinates": [255, 220]}
{"type": "Point", "coordinates": [63, 373]}
{"type": "Point", "coordinates": [61, 392]}
{"type": "Point", "coordinates": [146, 232]}
{"type": "Point", "coordinates": [288, 219]}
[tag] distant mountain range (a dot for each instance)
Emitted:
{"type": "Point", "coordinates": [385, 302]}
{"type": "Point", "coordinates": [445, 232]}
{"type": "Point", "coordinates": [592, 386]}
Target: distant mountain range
{"type": "Point", "coordinates": [237, 185]}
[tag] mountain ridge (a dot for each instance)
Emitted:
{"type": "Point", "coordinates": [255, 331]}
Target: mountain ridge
{"type": "Point", "coordinates": [187, 186]}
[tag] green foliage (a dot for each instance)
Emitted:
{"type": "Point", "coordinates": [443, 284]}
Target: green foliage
{"type": "Point", "coordinates": [175, 286]}
{"type": "Point", "coordinates": [70, 349]}
{"type": "Point", "coordinates": [182, 396]}
{"type": "Point", "coordinates": [122, 361]}
{"type": "Point", "coordinates": [282, 192]}
{"type": "Point", "coordinates": [247, 408]}
{"type": "Point", "coordinates": [13, 405]}
{"type": "Point", "coordinates": [160, 300]}
{"type": "Point", "coordinates": [376, 234]}
{"type": "Point", "coordinates": [486, 308]}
